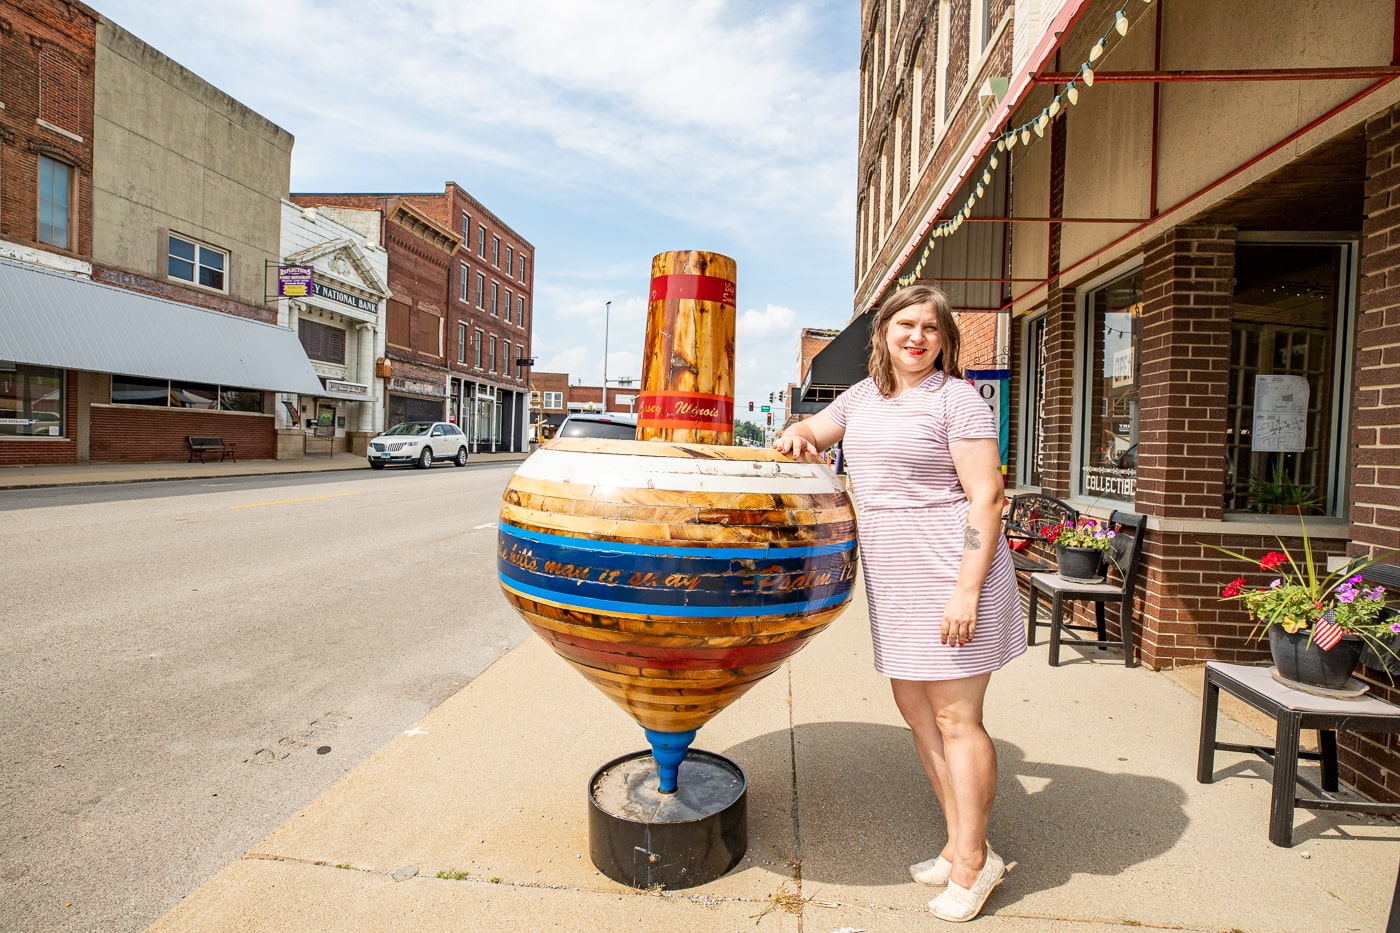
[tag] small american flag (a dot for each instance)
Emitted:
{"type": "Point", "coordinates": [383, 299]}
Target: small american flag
{"type": "Point", "coordinates": [1327, 633]}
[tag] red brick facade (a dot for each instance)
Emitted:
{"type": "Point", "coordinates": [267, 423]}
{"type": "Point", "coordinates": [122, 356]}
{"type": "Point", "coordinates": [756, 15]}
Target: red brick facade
{"type": "Point", "coordinates": [1188, 277]}
{"type": "Point", "coordinates": [47, 56]}
{"type": "Point", "coordinates": [130, 434]}
{"type": "Point", "coordinates": [485, 256]}
{"type": "Point", "coordinates": [895, 85]}
{"type": "Point", "coordinates": [1371, 763]}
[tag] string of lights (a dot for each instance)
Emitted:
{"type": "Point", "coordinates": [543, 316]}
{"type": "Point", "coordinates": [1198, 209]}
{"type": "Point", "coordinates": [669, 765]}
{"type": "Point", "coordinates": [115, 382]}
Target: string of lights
{"type": "Point", "coordinates": [1035, 127]}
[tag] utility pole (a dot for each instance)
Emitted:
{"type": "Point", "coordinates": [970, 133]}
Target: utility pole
{"type": "Point", "coordinates": [607, 315]}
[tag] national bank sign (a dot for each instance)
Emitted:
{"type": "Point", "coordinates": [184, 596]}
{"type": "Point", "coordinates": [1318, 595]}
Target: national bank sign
{"type": "Point", "coordinates": [323, 290]}
{"type": "Point", "coordinates": [301, 281]}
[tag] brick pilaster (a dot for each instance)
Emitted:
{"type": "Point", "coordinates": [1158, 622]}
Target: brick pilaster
{"type": "Point", "coordinates": [1058, 425]}
{"type": "Point", "coordinates": [1371, 763]}
{"type": "Point", "coordinates": [1184, 343]}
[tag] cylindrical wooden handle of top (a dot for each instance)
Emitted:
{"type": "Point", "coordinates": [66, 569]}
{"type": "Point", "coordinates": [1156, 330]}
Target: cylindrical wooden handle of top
{"type": "Point", "coordinates": [688, 363]}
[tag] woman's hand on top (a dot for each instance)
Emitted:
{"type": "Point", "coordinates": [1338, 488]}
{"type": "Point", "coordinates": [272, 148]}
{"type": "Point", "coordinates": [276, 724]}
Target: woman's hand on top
{"type": "Point", "coordinates": [795, 446]}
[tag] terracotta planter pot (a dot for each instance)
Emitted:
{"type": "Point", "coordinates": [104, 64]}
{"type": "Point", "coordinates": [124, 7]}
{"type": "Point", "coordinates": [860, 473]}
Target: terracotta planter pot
{"type": "Point", "coordinates": [1079, 564]}
{"type": "Point", "coordinates": [1299, 660]}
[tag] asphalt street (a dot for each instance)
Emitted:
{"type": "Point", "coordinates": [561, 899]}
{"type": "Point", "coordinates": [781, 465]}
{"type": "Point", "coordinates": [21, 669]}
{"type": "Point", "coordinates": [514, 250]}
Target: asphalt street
{"type": "Point", "coordinates": [187, 664]}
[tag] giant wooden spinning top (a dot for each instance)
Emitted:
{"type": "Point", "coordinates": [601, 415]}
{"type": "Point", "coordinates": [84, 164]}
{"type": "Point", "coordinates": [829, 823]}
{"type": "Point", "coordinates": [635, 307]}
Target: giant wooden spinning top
{"type": "Point", "coordinates": [675, 571]}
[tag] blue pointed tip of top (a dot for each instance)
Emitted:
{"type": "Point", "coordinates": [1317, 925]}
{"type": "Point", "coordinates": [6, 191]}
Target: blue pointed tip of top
{"type": "Point", "coordinates": [669, 750]}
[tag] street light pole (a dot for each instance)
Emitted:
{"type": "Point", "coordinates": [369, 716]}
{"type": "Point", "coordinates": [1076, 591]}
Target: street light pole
{"type": "Point", "coordinates": [607, 314]}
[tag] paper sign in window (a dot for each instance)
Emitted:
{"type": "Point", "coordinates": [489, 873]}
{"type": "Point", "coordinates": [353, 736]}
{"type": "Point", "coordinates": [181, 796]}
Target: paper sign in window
{"type": "Point", "coordinates": [1280, 414]}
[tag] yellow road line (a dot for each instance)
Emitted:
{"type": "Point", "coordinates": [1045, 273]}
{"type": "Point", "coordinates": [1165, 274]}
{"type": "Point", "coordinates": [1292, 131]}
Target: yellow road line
{"type": "Point", "coordinates": [254, 505]}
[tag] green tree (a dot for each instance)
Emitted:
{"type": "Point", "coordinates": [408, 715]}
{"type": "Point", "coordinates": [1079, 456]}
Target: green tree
{"type": "Point", "coordinates": [748, 433]}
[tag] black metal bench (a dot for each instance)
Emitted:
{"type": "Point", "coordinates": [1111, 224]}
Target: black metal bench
{"type": "Point", "coordinates": [203, 446]}
{"type": "Point", "coordinates": [1026, 517]}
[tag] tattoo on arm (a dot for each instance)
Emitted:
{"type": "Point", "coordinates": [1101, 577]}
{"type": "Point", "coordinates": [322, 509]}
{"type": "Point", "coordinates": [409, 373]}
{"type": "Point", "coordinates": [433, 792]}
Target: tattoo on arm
{"type": "Point", "coordinates": [970, 540]}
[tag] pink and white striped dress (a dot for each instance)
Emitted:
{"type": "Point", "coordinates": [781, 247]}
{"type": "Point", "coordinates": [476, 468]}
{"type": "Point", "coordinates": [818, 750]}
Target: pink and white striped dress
{"type": "Point", "coordinates": [912, 512]}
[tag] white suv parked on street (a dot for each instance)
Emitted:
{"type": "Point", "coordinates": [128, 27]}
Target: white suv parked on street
{"type": "Point", "coordinates": [418, 443]}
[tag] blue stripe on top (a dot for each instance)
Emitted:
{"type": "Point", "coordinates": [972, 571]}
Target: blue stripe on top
{"type": "Point", "coordinates": [608, 576]}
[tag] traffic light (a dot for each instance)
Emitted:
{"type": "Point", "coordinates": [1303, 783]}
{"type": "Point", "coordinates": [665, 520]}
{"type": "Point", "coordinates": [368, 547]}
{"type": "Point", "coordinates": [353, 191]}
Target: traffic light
{"type": "Point", "coordinates": [750, 406]}
{"type": "Point", "coordinates": [780, 396]}
{"type": "Point", "coordinates": [770, 398]}
{"type": "Point", "coordinates": [770, 418]}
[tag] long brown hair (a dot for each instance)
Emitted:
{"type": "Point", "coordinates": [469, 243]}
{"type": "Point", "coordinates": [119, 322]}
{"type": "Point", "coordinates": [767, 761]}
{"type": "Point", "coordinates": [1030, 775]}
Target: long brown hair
{"type": "Point", "coordinates": [881, 367]}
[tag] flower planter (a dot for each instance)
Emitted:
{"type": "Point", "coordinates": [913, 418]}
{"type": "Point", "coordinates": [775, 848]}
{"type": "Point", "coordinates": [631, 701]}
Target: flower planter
{"type": "Point", "coordinates": [1079, 564]}
{"type": "Point", "coordinates": [1298, 660]}
{"type": "Point", "coordinates": [1384, 657]}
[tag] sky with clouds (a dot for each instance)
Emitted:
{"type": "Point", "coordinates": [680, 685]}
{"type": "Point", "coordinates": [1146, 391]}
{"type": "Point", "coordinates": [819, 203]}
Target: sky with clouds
{"type": "Point", "coordinates": [603, 131]}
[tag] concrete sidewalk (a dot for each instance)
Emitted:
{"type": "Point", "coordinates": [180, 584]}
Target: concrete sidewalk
{"type": "Point", "coordinates": [91, 474]}
{"type": "Point", "coordinates": [477, 818]}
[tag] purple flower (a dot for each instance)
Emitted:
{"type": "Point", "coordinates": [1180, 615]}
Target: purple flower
{"type": "Point", "coordinates": [1276, 584]}
{"type": "Point", "coordinates": [1345, 595]}
{"type": "Point", "coordinates": [1395, 627]}
{"type": "Point", "coordinates": [1355, 580]}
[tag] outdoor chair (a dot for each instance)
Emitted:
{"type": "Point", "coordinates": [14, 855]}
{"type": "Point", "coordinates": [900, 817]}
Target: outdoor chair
{"type": "Point", "coordinates": [1125, 555]}
{"type": "Point", "coordinates": [1027, 515]}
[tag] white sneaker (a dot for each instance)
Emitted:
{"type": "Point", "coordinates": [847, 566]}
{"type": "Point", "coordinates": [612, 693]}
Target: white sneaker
{"type": "Point", "coordinates": [933, 872]}
{"type": "Point", "coordinates": [959, 904]}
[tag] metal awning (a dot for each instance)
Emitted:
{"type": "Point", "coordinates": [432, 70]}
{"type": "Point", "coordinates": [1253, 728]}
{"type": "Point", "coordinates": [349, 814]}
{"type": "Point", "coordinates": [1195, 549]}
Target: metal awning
{"type": "Point", "coordinates": [54, 319]}
{"type": "Point", "coordinates": [836, 367]}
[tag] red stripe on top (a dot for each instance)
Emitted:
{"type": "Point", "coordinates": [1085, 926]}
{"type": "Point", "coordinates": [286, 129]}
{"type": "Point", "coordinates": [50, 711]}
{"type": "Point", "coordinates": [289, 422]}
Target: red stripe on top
{"type": "Point", "coordinates": [695, 287]}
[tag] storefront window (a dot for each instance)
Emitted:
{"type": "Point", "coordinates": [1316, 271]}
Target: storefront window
{"type": "Point", "coordinates": [408, 408]}
{"type": "Point", "coordinates": [1108, 455]}
{"type": "Point", "coordinates": [193, 395]}
{"type": "Point", "coordinates": [134, 390]}
{"type": "Point", "coordinates": [1031, 464]}
{"type": "Point", "coordinates": [1289, 304]}
{"type": "Point", "coordinates": [240, 400]}
{"type": "Point", "coordinates": [483, 417]}
{"type": "Point", "coordinates": [31, 401]}
{"type": "Point", "coordinates": [163, 393]}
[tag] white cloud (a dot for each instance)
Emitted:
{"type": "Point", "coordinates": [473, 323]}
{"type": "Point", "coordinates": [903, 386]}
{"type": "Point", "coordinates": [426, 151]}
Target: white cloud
{"type": "Point", "coordinates": [604, 131]}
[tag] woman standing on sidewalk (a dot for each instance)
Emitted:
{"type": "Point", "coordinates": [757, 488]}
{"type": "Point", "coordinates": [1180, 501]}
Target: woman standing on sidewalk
{"type": "Point", "coordinates": [944, 610]}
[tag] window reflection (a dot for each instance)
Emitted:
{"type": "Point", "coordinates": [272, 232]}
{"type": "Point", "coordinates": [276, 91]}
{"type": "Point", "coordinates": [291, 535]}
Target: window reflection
{"type": "Point", "coordinates": [31, 401]}
{"type": "Point", "coordinates": [1287, 303]}
{"type": "Point", "coordinates": [1109, 451]}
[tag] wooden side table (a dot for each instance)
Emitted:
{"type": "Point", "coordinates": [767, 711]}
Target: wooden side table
{"type": "Point", "coordinates": [1293, 711]}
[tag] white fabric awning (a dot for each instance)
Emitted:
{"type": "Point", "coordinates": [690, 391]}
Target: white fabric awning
{"type": "Point", "coordinates": [54, 319]}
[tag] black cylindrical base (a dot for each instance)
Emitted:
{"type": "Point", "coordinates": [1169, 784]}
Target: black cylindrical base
{"type": "Point", "coordinates": [643, 838]}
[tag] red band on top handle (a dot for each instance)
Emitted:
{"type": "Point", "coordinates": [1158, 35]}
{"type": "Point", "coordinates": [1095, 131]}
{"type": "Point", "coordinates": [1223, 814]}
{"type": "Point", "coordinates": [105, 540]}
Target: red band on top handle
{"type": "Point", "coordinates": [696, 287]}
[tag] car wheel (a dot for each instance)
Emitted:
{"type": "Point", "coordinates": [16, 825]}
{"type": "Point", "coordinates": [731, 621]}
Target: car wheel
{"type": "Point", "coordinates": [461, 459]}
{"type": "Point", "coordinates": [375, 465]}
{"type": "Point", "coordinates": [425, 459]}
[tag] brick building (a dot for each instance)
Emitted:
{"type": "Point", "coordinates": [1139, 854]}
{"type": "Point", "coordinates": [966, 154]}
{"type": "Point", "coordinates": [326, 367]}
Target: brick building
{"type": "Point", "coordinates": [132, 256]}
{"type": "Point", "coordinates": [481, 304]}
{"type": "Point", "coordinates": [553, 389]}
{"type": "Point", "coordinates": [1154, 298]}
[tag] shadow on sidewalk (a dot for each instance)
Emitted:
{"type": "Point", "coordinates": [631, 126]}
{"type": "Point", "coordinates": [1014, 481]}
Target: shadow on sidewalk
{"type": "Point", "coordinates": [865, 810]}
